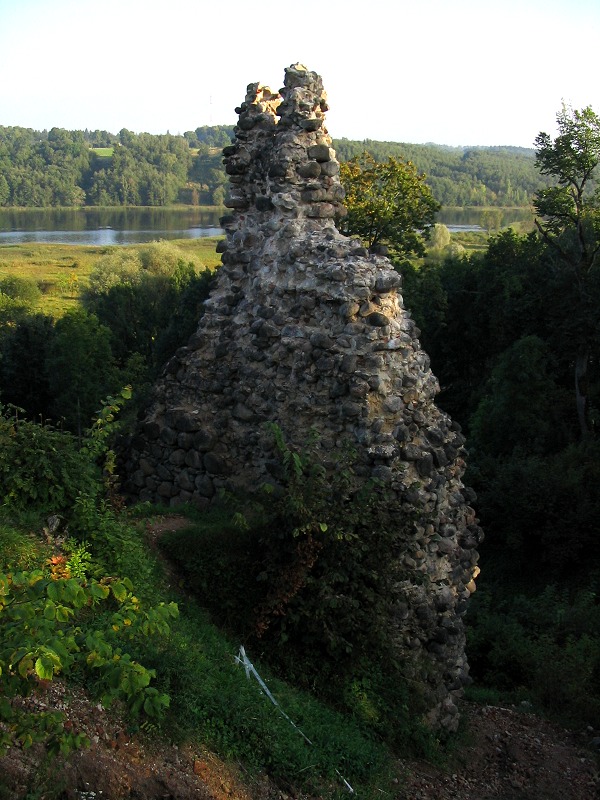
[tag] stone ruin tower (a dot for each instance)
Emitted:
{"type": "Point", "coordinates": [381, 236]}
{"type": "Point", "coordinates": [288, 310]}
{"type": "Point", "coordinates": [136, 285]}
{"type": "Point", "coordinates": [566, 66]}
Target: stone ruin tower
{"type": "Point", "coordinates": [307, 329]}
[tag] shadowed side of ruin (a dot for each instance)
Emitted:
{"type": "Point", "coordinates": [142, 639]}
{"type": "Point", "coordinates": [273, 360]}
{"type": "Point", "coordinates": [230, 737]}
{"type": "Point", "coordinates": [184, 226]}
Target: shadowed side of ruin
{"type": "Point", "coordinates": [307, 329]}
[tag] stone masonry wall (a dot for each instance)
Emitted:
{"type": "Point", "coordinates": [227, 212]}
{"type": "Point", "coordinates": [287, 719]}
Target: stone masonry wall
{"type": "Point", "coordinates": [307, 329]}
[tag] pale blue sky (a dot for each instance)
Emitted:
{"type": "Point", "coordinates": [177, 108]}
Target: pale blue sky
{"type": "Point", "coordinates": [460, 72]}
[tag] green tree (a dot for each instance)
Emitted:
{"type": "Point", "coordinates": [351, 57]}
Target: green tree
{"type": "Point", "coordinates": [388, 203]}
{"type": "Point", "coordinates": [491, 219]}
{"type": "Point", "coordinates": [440, 237]}
{"type": "Point", "coordinates": [80, 368]}
{"type": "Point", "coordinates": [4, 191]}
{"type": "Point", "coordinates": [569, 221]}
{"type": "Point", "coordinates": [522, 406]}
{"type": "Point", "coordinates": [23, 352]}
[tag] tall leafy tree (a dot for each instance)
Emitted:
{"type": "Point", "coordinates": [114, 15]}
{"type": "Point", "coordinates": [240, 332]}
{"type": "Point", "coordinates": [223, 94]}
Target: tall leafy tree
{"type": "Point", "coordinates": [24, 348]}
{"type": "Point", "coordinates": [80, 367]}
{"type": "Point", "coordinates": [388, 203]}
{"type": "Point", "coordinates": [569, 220]}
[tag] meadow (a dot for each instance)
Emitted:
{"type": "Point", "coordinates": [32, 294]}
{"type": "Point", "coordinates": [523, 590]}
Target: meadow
{"type": "Point", "coordinates": [62, 270]}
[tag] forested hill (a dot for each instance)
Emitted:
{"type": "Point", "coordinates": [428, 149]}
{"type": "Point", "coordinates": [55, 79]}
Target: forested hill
{"type": "Point", "coordinates": [91, 168]}
{"type": "Point", "coordinates": [459, 176]}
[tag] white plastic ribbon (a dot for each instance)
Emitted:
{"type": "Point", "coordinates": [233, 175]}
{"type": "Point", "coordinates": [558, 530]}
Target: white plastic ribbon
{"type": "Point", "coordinates": [250, 669]}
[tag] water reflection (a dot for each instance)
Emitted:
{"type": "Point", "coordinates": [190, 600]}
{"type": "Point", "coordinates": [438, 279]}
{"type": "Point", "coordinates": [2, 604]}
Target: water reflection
{"type": "Point", "coordinates": [105, 226]}
{"type": "Point", "coordinates": [119, 226]}
{"type": "Point", "coordinates": [474, 219]}
{"type": "Point", "coordinates": [103, 236]}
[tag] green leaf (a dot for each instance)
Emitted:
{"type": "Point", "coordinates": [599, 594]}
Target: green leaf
{"type": "Point", "coordinates": [99, 591]}
{"type": "Point", "coordinates": [74, 594]}
{"type": "Point", "coordinates": [25, 665]}
{"type": "Point", "coordinates": [44, 667]}
{"type": "Point", "coordinates": [53, 590]}
{"type": "Point", "coordinates": [63, 613]}
{"type": "Point", "coordinates": [119, 590]}
{"type": "Point", "coordinates": [50, 610]}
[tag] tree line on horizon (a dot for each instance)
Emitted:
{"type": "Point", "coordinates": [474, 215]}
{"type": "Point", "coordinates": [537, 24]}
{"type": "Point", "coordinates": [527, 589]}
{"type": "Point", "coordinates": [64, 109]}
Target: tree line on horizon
{"type": "Point", "coordinates": [41, 169]}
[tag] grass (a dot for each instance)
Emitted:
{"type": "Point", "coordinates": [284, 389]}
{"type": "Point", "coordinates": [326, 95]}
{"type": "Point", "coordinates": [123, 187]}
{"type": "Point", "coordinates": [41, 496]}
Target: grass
{"type": "Point", "coordinates": [62, 270]}
{"type": "Point", "coordinates": [103, 152]}
{"type": "Point", "coordinates": [471, 240]}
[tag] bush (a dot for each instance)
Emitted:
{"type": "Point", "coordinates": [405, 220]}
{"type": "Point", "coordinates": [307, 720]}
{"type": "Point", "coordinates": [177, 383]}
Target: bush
{"type": "Point", "coordinates": [80, 368]}
{"type": "Point", "coordinates": [41, 466]}
{"type": "Point", "coordinates": [45, 630]}
{"type": "Point", "coordinates": [49, 618]}
{"type": "Point", "coordinates": [19, 288]}
{"type": "Point", "coordinates": [551, 519]}
{"type": "Point", "coordinates": [165, 258]}
{"type": "Point", "coordinates": [119, 267]}
{"type": "Point", "coordinates": [24, 349]}
{"type": "Point", "coordinates": [544, 648]}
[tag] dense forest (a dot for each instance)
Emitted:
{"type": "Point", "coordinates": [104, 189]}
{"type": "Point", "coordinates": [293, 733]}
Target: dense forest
{"type": "Point", "coordinates": [97, 168]}
{"type": "Point", "coordinates": [474, 176]}
{"type": "Point", "coordinates": [502, 329]}
{"type": "Point", "coordinates": [77, 168]}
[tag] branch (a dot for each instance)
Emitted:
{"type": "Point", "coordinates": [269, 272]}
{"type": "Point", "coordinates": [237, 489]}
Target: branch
{"type": "Point", "coordinates": [552, 241]}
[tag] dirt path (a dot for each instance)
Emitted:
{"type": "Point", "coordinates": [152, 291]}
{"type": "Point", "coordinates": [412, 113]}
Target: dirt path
{"type": "Point", "coordinates": [510, 755]}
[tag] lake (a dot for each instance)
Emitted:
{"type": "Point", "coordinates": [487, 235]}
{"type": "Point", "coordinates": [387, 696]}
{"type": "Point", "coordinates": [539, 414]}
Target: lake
{"type": "Point", "coordinates": [471, 219]}
{"type": "Point", "coordinates": [118, 226]}
{"type": "Point", "coordinates": [106, 226]}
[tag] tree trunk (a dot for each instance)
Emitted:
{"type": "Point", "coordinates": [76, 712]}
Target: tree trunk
{"type": "Point", "coordinates": [581, 388]}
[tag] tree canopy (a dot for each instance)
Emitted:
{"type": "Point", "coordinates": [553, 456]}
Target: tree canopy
{"type": "Point", "coordinates": [72, 168]}
{"type": "Point", "coordinates": [387, 203]}
{"type": "Point", "coordinates": [569, 221]}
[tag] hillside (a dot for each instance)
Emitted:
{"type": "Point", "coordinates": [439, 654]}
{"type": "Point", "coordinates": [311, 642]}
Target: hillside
{"type": "Point", "coordinates": [97, 168]}
{"type": "Point", "coordinates": [458, 176]}
{"type": "Point", "coordinates": [502, 754]}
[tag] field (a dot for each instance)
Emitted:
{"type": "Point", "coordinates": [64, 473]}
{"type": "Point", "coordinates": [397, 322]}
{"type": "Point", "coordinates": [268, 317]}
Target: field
{"type": "Point", "coordinates": [103, 152]}
{"type": "Point", "coordinates": [62, 270]}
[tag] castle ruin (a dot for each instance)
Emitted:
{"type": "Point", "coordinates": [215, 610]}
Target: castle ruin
{"type": "Point", "coordinates": [307, 329]}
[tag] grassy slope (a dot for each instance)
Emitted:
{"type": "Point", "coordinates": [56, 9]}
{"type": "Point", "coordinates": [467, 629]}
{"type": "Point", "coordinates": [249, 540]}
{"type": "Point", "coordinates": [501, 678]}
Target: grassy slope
{"type": "Point", "coordinates": [213, 704]}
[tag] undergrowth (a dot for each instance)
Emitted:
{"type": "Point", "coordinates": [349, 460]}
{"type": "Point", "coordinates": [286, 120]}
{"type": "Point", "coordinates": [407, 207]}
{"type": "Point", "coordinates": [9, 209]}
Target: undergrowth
{"type": "Point", "coordinates": [539, 649]}
{"type": "Point", "coordinates": [89, 574]}
{"type": "Point", "coordinates": [302, 576]}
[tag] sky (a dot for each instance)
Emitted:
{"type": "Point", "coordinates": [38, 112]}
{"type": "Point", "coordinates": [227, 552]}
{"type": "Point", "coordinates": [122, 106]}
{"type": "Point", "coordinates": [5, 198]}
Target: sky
{"type": "Point", "coordinates": [453, 72]}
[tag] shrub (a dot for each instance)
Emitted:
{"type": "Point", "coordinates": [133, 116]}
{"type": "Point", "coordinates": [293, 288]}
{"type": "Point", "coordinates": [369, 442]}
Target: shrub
{"type": "Point", "coordinates": [45, 630]}
{"type": "Point", "coordinates": [24, 348]}
{"type": "Point", "coordinates": [122, 266]}
{"type": "Point", "coordinates": [165, 258]}
{"type": "Point", "coordinates": [551, 519]}
{"type": "Point", "coordinates": [41, 466]}
{"type": "Point", "coordinates": [19, 288]}
{"type": "Point", "coordinates": [50, 622]}
{"type": "Point", "coordinates": [542, 647]}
